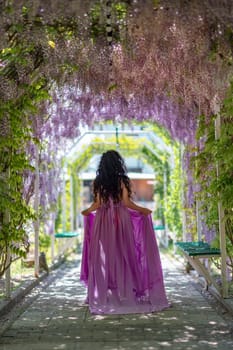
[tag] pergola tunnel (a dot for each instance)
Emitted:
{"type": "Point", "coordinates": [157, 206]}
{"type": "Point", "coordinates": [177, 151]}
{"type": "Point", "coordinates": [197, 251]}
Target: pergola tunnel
{"type": "Point", "coordinates": [78, 80]}
{"type": "Point", "coordinates": [137, 143]}
{"type": "Point", "coordinates": [145, 146]}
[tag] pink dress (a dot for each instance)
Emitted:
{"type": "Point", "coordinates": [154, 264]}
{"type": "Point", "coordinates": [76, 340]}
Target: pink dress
{"type": "Point", "coordinates": [121, 265]}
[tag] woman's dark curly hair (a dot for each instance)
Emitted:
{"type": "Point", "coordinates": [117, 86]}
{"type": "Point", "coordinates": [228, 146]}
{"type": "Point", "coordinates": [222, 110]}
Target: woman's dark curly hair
{"type": "Point", "coordinates": [110, 174]}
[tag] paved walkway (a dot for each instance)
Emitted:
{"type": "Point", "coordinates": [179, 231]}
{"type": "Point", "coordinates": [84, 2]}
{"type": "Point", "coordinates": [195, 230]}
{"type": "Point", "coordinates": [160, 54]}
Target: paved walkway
{"type": "Point", "coordinates": [58, 319]}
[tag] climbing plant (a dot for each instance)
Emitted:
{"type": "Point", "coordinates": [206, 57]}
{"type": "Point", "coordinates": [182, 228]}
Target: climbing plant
{"type": "Point", "coordinates": [214, 188]}
{"type": "Point", "coordinates": [23, 91]}
{"type": "Point", "coordinates": [19, 99]}
{"type": "Point", "coordinates": [14, 209]}
{"type": "Point", "coordinates": [174, 206]}
{"type": "Point", "coordinates": [158, 165]}
{"type": "Point", "coordinates": [167, 166]}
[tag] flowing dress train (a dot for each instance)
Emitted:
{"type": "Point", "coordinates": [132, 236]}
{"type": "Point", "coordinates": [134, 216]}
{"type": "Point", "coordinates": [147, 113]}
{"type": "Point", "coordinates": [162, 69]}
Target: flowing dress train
{"type": "Point", "coordinates": [121, 265]}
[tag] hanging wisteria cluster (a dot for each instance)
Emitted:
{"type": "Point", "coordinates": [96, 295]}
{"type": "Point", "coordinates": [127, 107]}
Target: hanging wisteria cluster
{"type": "Point", "coordinates": [173, 64]}
{"type": "Point", "coordinates": [167, 60]}
{"type": "Point", "coordinates": [50, 167]}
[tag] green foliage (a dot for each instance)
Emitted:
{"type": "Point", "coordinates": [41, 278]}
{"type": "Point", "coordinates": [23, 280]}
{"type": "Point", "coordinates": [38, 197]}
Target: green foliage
{"type": "Point", "coordinates": [14, 115]}
{"type": "Point", "coordinates": [16, 131]}
{"type": "Point", "coordinates": [174, 200]}
{"type": "Point", "coordinates": [58, 219]}
{"type": "Point", "coordinates": [68, 206]}
{"type": "Point", "coordinates": [158, 166]}
{"type": "Point", "coordinates": [127, 147]}
{"type": "Point", "coordinates": [217, 153]}
{"type": "Point", "coordinates": [169, 167]}
{"type": "Point", "coordinates": [44, 242]}
{"type": "Point", "coordinates": [76, 192]}
{"type": "Point", "coordinates": [98, 26]}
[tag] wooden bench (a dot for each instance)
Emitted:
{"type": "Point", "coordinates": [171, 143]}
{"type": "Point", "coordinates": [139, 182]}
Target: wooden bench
{"type": "Point", "coordinates": [194, 253]}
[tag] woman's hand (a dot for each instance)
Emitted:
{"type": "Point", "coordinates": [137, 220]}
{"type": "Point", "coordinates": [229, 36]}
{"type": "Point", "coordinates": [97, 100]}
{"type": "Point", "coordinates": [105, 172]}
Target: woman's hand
{"type": "Point", "coordinates": [146, 211]}
{"type": "Point", "coordinates": [85, 212]}
{"type": "Point", "coordinates": [93, 207]}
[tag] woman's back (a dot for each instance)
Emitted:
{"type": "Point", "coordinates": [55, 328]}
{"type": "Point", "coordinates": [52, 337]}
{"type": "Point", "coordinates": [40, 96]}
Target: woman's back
{"type": "Point", "coordinates": [111, 175]}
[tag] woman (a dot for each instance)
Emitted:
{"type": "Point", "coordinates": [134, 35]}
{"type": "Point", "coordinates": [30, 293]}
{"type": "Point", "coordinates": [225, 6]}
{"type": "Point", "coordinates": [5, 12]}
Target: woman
{"type": "Point", "coordinates": [120, 264]}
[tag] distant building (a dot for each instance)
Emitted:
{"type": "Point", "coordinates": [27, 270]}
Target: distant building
{"type": "Point", "coordinates": [140, 173]}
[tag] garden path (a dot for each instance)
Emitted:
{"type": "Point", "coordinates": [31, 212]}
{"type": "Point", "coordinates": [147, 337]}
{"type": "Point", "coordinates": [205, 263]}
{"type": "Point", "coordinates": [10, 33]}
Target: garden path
{"type": "Point", "coordinates": [57, 319]}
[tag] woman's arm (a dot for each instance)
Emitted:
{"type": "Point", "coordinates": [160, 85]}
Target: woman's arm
{"type": "Point", "coordinates": [95, 205]}
{"type": "Point", "coordinates": [130, 204]}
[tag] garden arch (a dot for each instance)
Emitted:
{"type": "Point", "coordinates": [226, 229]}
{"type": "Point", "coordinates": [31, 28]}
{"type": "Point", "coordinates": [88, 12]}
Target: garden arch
{"type": "Point", "coordinates": [128, 142]}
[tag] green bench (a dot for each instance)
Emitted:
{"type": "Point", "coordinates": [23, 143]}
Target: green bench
{"type": "Point", "coordinates": [194, 253]}
{"type": "Point", "coordinates": [198, 248]}
{"type": "Point", "coordinates": [159, 227]}
{"type": "Point", "coordinates": [66, 234]}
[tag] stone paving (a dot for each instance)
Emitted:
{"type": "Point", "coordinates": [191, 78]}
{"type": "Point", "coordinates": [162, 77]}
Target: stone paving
{"type": "Point", "coordinates": [58, 319]}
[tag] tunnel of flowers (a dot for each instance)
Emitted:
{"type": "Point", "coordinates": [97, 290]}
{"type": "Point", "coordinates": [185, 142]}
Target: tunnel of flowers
{"type": "Point", "coordinates": [64, 67]}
